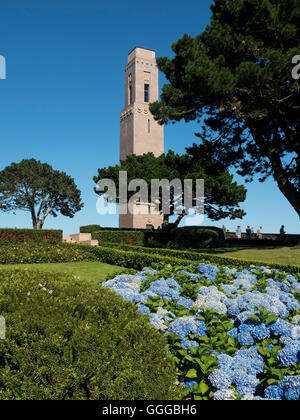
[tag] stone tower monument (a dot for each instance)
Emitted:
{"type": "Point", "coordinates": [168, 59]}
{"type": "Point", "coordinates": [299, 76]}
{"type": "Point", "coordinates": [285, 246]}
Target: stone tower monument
{"type": "Point", "coordinates": [139, 132]}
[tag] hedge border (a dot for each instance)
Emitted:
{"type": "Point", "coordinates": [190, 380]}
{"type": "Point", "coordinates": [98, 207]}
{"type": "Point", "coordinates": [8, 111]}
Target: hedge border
{"type": "Point", "coordinates": [143, 257]}
{"type": "Point", "coordinates": [33, 232]}
{"type": "Point", "coordinates": [112, 236]}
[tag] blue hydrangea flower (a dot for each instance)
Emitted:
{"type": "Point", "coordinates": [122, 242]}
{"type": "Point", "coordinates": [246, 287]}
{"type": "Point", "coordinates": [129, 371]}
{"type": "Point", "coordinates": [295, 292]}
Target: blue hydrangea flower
{"type": "Point", "coordinates": [210, 271]}
{"type": "Point", "coordinates": [260, 332]}
{"type": "Point", "coordinates": [186, 303]}
{"type": "Point", "coordinates": [233, 308]}
{"type": "Point", "coordinates": [248, 361]}
{"type": "Point", "coordinates": [190, 383]}
{"type": "Point", "coordinates": [291, 395]}
{"type": "Point", "coordinates": [244, 335]}
{"type": "Point", "coordinates": [220, 379]}
{"type": "Point", "coordinates": [245, 384]}
{"type": "Point", "coordinates": [281, 327]}
{"type": "Point", "coordinates": [189, 343]}
{"type": "Point", "coordinates": [226, 363]}
{"type": "Point", "coordinates": [223, 395]}
{"type": "Point", "coordinates": [212, 298]}
{"type": "Point", "coordinates": [186, 325]}
{"type": "Point", "coordinates": [291, 387]}
{"type": "Point", "coordinates": [162, 288]}
{"type": "Point", "coordinates": [274, 392]}
{"type": "Point", "coordinates": [289, 355]}
{"type": "Point", "coordinates": [233, 333]}
{"type": "Point", "coordinates": [144, 309]}
{"type": "Point", "coordinates": [230, 271]}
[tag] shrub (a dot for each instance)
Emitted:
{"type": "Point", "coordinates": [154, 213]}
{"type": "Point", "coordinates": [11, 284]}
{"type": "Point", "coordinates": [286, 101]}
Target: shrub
{"type": "Point", "coordinates": [119, 236]}
{"type": "Point", "coordinates": [187, 237]}
{"type": "Point", "coordinates": [90, 228]}
{"type": "Point", "coordinates": [68, 340]}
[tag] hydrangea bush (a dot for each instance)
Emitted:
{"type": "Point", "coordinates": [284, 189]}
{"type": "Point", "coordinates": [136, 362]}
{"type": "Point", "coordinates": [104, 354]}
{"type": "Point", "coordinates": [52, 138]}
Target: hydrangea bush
{"type": "Point", "coordinates": [233, 334]}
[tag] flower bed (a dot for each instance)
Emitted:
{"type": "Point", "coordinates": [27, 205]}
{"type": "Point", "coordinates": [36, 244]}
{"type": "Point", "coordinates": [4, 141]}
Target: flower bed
{"type": "Point", "coordinates": [23, 235]}
{"type": "Point", "coordinates": [232, 334]}
{"type": "Point", "coordinates": [32, 252]}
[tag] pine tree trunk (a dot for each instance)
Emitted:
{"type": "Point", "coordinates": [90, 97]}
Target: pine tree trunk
{"type": "Point", "coordinates": [33, 217]}
{"type": "Point", "coordinates": [290, 193]}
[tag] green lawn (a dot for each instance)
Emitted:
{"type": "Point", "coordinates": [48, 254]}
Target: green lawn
{"type": "Point", "coordinates": [283, 255]}
{"type": "Point", "coordinates": [85, 270]}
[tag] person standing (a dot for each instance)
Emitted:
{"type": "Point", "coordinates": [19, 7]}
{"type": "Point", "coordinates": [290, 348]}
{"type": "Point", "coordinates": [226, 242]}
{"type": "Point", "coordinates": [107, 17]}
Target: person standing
{"type": "Point", "coordinates": [224, 230]}
{"type": "Point", "coordinates": [259, 233]}
{"type": "Point", "coordinates": [282, 232]}
{"type": "Point", "coordinates": [238, 232]}
{"type": "Point", "coordinates": [248, 233]}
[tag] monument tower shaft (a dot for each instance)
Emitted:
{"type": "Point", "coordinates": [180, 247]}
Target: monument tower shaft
{"type": "Point", "coordinates": [139, 132]}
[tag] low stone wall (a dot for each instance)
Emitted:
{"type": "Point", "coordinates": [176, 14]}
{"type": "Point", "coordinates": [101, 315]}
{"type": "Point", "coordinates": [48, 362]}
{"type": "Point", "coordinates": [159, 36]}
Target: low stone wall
{"type": "Point", "coordinates": [269, 236]}
{"type": "Point", "coordinates": [81, 238]}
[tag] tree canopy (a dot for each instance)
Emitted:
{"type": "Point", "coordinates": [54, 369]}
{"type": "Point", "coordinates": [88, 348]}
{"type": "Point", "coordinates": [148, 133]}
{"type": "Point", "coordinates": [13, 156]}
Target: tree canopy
{"type": "Point", "coordinates": [36, 187]}
{"type": "Point", "coordinates": [236, 79]}
{"type": "Point", "coordinates": [222, 194]}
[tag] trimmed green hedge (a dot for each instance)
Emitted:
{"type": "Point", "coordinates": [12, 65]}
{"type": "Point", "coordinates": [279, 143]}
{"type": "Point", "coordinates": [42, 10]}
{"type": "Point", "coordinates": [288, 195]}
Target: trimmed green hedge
{"type": "Point", "coordinates": [117, 236]}
{"type": "Point", "coordinates": [68, 340]}
{"type": "Point", "coordinates": [32, 232]}
{"type": "Point", "coordinates": [187, 237]}
{"type": "Point", "coordinates": [131, 259]}
{"type": "Point", "coordinates": [90, 228]}
{"type": "Point", "coordinates": [140, 257]}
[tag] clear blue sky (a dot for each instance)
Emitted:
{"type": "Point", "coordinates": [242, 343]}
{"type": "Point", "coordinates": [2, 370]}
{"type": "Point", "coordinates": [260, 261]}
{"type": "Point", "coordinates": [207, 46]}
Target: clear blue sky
{"type": "Point", "coordinates": [64, 92]}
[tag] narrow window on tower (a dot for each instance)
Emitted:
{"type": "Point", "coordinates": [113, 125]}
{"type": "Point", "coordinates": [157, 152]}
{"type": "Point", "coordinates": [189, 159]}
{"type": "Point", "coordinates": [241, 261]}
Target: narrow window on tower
{"type": "Point", "coordinates": [148, 126]}
{"type": "Point", "coordinates": [130, 91]}
{"type": "Point", "coordinates": [146, 92]}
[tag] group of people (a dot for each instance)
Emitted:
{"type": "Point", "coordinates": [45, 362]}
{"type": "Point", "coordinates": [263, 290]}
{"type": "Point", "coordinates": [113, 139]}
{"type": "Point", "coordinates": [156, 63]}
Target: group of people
{"type": "Point", "coordinates": [250, 233]}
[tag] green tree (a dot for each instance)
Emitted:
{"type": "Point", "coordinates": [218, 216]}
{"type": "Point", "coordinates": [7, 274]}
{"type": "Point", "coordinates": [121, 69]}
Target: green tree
{"type": "Point", "coordinates": [236, 78]}
{"type": "Point", "coordinates": [222, 195]}
{"type": "Point", "coordinates": [36, 187]}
